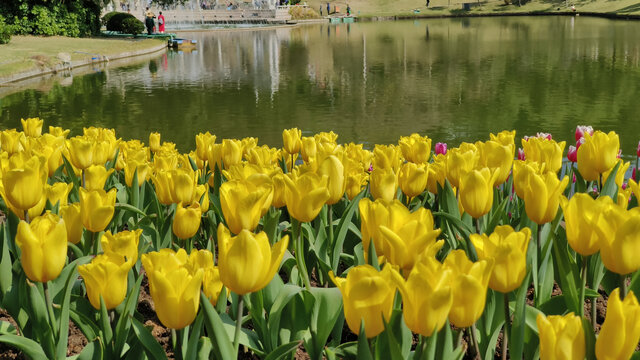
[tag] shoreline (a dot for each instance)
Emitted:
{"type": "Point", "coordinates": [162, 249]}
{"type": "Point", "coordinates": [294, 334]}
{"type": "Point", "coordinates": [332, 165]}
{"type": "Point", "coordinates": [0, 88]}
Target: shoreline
{"type": "Point", "coordinates": [610, 16]}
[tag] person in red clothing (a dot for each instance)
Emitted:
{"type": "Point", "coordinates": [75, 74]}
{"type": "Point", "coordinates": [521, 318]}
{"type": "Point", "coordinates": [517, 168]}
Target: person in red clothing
{"type": "Point", "coordinates": [161, 23]}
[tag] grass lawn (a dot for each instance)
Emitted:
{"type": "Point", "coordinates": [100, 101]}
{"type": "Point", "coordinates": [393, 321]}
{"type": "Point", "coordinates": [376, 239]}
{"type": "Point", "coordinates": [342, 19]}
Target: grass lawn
{"type": "Point", "coordinates": [368, 8]}
{"type": "Point", "coordinates": [25, 53]}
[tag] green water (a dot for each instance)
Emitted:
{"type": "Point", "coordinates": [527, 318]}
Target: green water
{"type": "Point", "coordinates": [452, 79]}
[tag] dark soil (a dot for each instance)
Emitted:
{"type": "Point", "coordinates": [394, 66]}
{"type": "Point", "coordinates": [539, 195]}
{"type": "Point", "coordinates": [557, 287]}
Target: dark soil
{"type": "Point", "coordinates": [77, 341]}
{"type": "Point", "coordinates": [7, 352]}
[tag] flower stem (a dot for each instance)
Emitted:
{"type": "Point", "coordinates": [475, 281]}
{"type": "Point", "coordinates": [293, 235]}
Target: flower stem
{"type": "Point", "coordinates": [474, 340]}
{"type": "Point", "coordinates": [330, 211]}
{"type": "Point", "coordinates": [584, 284]}
{"type": "Point", "coordinates": [623, 286]}
{"type": "Point", "coordinates": [507, 327]}
{"type": "Point", "coordinates": [52, 315]}
{"type": "Point", "coordinates": [94, 242]}
{"type": "Point", "coordinates": [296, 227]}
{"type": "Point", "coordinates": [236, 336]}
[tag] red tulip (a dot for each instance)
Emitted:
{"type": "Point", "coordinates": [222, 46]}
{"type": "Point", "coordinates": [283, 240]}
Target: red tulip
{"type": "Point", "coordinates": [572, 155]}
{"type": "Point", "coordinates": [581, 130]}
{"type": "Point", "coordinates": [441, 148]}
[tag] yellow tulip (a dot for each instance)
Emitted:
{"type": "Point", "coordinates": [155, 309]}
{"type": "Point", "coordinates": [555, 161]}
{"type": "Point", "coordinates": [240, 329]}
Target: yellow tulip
{"type": "Point", "coordinates": [355, 182]}
{"type": "Point", "coordinates": [620, 331]}
{"type": "Point", "coordinates": [367, 295]}
{"type": "Point", "coordinates": [622, 170]}
{"type": "Point", "coordinates": [176, 185]}
{"type": "Point", "coordinates": [203, 143]}
{"type": "Point", "coordinates": [542, 196]}
{"type": "Point", "coordinates": [597, 154]}
{"type": "Point", "coordinates": [243, 201]}
{"type": "Point", "coordinates": [174, 287]}
{"type": "Point", "coordinates": [521, 170]}
{"type": "Point", "coordinates": [495, 155]}
{"type": "Point", "coordinates": [11, 141]}
{"type": "Point", "coordinates": [460, 161]}
{"type": "Point", "coordinates": [476, 191]}
{"type": "Point", "coordinates": [437, 173]}
{"type": "Point", "coordinates": [413, 179]}
{"type": "Point", "coordinates": [81, 152]}
{"type": "Point", "coordinates": [262, 156]}
{"type": "Point", "coordinates": [58, 131]}
{"type": "Point", "coordinates": [470, 281]}
{"type": "Point", "coordinates": [508, 249]}
{"type": "Point", "coordinates": [124, 243]}
{"type": "Point", "coordinates": [415, 148]}
{"type": "Point", "coordinates": [332, 167]}
{"type": "Point", "coordinates": [95, 176]}
{"type": "Point", "coordinates": [383, 183]}
{"type": "Point", "coordinates": [43, 246]}
{"type": "Point", "coordinates": [386, 157]}
{"type": "Point", "coordinates": [246, 262]}
{"type": "Point", "coordinates": [23, 181]}
{"type": "Point", "coordinates": [426, 296]}
{"type": "Point", "coordinates": [58, 193]}
{"type": "Point", "coordinates": [373, 215]}
{"type": "Point", "coordinates": [581, 216]}
{"type": "Point", "coordinates": [143, 169]}
{"type": "Point", "coordinates": [308, 148]}
{"type": "Point", "coordinates": [279, 189]}
{"type": "Point", "coordinates": [506, 138]}
{"type": "Point", "coordinates": [97, 208]}
{"type": "Point", "coordinates": [291, 140]}
{"type": "Point", "coordinates": [326, 137]}
{"type": "Point", "coordinates": [305, 195]}
{"type": "Point", "coordinates": [543, 150]}
{"type": "Point", "coordinates": [407, 237]}
{"type": "Point", "coordinates": [231, 152]}
{"type": "Point", "coordinates": [32, 126]}
{"type": "Point", "coordinates": [619, 238]}
{"type": "Point", "coordinates": [73, 222]}
{"type": "Point", "coordinates": [154, 141]}
{"type": "Point", "coordinates": [212, 284]}
{"type": "Point", "coordinates": [561, 337]}
{"type": "Point", "coordinates": [106, 276]}
{"type": "Point", "coordinates": [186, 221]}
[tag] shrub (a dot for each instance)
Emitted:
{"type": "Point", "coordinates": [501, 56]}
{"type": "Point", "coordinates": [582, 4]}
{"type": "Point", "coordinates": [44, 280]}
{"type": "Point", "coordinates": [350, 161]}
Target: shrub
{"type": "Point", "coordinates": [107, 16]}
{"type": "Point", "coordinates": [302, 13]}
{"type": "Point", "coordinates": [116, 21]}
{"type": "Point", "coordinates": [5, 31]}
{"type": "Point", "coordinates": [133, 26]}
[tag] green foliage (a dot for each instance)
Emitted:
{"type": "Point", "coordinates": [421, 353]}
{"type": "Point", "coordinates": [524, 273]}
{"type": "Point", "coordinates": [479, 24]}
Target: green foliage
{"type": "Point", "coordinates": [116, 22]}
{"type": "Point", "coordinates": [5, 31]}
{"type": "Point", "coordinates": [69, 18]}
{"type": "Point", "coordinates": [107, 16]}
{"type": "Point", "coordinates": [132, 25]}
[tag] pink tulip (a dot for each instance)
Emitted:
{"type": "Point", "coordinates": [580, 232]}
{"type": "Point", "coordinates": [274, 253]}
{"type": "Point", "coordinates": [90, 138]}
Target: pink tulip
{"type": "Point", "coordinates": [581, 130]}
{"type": "Point", "coordinates": [619, 154]}
{"type": "Point", "coordinates": [544, 135]}
{"type": "Point", "coordinates": [579, 142]}
{"type": "Point", "coordinates": [441, 148]}
{"type": "Point", "coordinates": [638, 151]}
{"type": "Point", "coordinates": [520, 154]}
{"type": "Point", "coordinates": [371, 167]}
{"type": "Point", "coordinates": [574, 178]}
{"type": "Point", "coordinates": [572, 155]}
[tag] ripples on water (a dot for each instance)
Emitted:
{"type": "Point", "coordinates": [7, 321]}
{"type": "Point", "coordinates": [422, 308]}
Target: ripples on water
{"type": "Point", "coordinates": [452, 79]}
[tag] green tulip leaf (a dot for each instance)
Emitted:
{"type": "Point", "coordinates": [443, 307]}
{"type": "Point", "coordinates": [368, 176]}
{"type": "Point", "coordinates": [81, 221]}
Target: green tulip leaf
{"type": "Point", "coordinates": [61, 348]}
{"type": "Point", "coordinates": [91, 351]}
{"type": "Point", "coordinates": [6, 274]}
{"type": "Point", "coordinates": [216, 330]}
{"type": "Point", "coordinates": [151, 347]}
{"type": "Point", "coordinates": [30, 348]}
{"type": "Point", "coordinates": [194, 336]}
{"type": "Point", "coordinates": [204, 348]}
{"type": "Point", "coordinates": [341, 231]}
{"type": "Point", "coordinates": [610, 188]}
{"type": "Point", "coordinates": [590, 339]}
{"type": "Point", "coordinates": [283, 351]}
{"type": "Point", "coordinates": [124, 325]}
{"type": "Point", "coordinates": [364, 351]}
{"type": "Point", "coordinates": [516, 338]}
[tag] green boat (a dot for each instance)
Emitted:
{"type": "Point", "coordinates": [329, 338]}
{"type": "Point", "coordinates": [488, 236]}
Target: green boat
{"type": "Point", "coordinates": [335, 20]}
{"type": "Point", "coordinates": [348, 19]}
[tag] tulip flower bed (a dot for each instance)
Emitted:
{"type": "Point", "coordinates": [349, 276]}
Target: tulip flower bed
{"type": "Point", "coordinates": [336, 251]}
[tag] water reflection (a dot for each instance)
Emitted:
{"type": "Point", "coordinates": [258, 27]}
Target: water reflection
{"type": "Point", "coordinates": [453, 79]}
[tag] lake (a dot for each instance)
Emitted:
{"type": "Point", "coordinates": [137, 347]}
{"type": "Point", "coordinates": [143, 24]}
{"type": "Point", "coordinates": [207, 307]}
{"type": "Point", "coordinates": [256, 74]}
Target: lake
{"type": "Point", "coordinates": [452, 79]}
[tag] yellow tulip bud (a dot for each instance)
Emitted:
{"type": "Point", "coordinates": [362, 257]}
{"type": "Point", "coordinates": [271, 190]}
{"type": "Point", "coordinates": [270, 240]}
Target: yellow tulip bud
{"type": "Point", "coordinates": [305, 195]}
{"type": "Point", "coordinates": [598, 154]}
{"type": "Point", "coordinates": [154, 141]}
{"type": "Point", "coordinates": [619, 238]}
{"type": "Point", "coordinates": [383, 184]}
{"type": "Point", "coordinates": [460, 161]}
{"type": "Point", "coordinates": [620, 331]}
{"type": "Point", "coordinates": [203, 143]}
{"type": "Point", "coordinates": [415, 148]}
{"type": "Point", "coordinates": [32, 126]}
{"type": "Point", "coordinates": [495, 155]}
{"type": "Point", "coordinates": [308, 148]}
{"type": "Point", "coordinates": [175, 289]}
{"type": "Point", "coordinates": [95, 176]}
{"type": "Point", "coordinates": [367, 295]}
{"type": "Point", "coordinates": [355, 181]}
{"type": "Point", "coordinates": [437, 173]}
{"type": "Point", "coordinates": [143, 169]}
{"type": "Point", "coordinates": [332, 167]}
{"type": "Point", "coordinates": [11, 141]}
{"type": "Point", "coordinates": [373, 215]}
{"type": "Point", "coordinates": [246, 262]}
{"type": "Point", "coordinates": [80, 152]}
{"type": "Point", "coordinates": [544, 151]}
{"type": "Point", "coordinates": [243, 202]}
{"type": "Point", "coordinates": [561, 337]}
{"type": "Point", "coordinates": [123, 243]}
{"type": "Point", "coordinates": [43, 246]}
{"type": "Point", "coordinates": [542, 196]}
{"type": "Point", "coordinates": [426, 296]}
{"type": "Point", "coordinates": [581, 215]}
{"type": "Point", "coordinates": [23, 181]}
{"type": "Point", "coordinates": [186, 221]}
{"type": "Point", "coordinates": [521, 170]}
{"type": "Point", "coordinates": [291, 140]}
{"type": "Point", "coordinates": [231, 152]}
{"type": "Point", "coordinates": [470, 281]}
{"type": "Point", "coordinates": [407, 237]}
{"type": "Point", "coordinates": [508, 249]}
{"type": "Point", "coordinates": [58, 193]}
{"type": "Point", "coordinates": [106, 276]}
{"type": "Point", "coordinates": [279, 188]}
{"type": "Point", "coordinates": [386, 157]}
{"type": "Point", "coordinates": [97, 208]}
{"type": "Point", "coordinates": [506, 138]}
{"type": "Point", "coordinates": [58, 131]}
{"type": "Point", "coordinates": [73, 222]}
{"type": "Point", "coordinates": [476, 191]}
{"type": "Point", "coordinates": [212, 284]}
{"type": "Point", "coordinates": [413, 179]}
